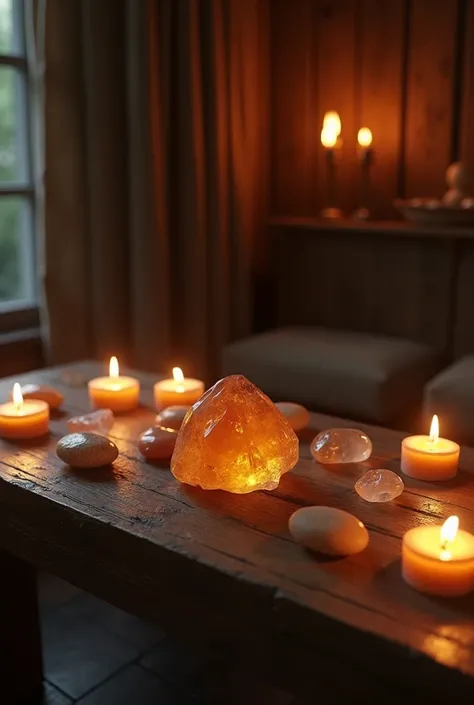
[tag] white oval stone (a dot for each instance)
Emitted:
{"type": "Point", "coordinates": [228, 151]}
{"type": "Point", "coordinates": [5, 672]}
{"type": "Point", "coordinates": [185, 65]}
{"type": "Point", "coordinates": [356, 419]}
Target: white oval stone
{"type": "Point", "coordinates": [341, 445]}
{"type": "Point", "coordinates": [296, 415]}
{"type": "Point", "coordinates": [379, 485]}
{"type": "Point", "coordinates": [50, 395]}
{"type": "Point", "coordinates": [328, 530]}
{"type": "Point", "coordinates": [86, 450]}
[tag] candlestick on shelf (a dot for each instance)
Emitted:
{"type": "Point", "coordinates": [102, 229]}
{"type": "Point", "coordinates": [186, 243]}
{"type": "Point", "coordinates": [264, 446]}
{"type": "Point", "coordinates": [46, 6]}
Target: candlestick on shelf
{"type": "Point", "coordinates": [439, 560]}
{"type": "Point", "coordinates": [430, 457]}
{"type": "Point", "coordinates": [365, 155]}
{"type": "Point", "coordinates": [115, 392]}
{"type": "Point", "coordinates": [331, 141]}
{"type": "Point", "coordinates": [179, 391]}
{"type": "Point", "coordinates": [21, 418]}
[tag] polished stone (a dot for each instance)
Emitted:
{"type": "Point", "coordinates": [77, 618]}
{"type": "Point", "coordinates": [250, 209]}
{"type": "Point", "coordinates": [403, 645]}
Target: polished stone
{"type": "Point", "coordinates": [100, 421]}
{"type": "Point", "coordinates": [157, 443]}
{"type": "Point", "coordinates": [328, 530]}
{"type": "Point", "coordinates": [296, 415]}
{"type": "Point", "coordinates": [172, 416]}
{"type": "Point", "coordinates": [50, 395]}
{"type": "Point", "coordinates": [86, 450]}
{"type": "Point", "coordinates": [234, 439]}
{"type": "Point", "coordinates": [379, 486]}
{"type": "Point", "coordinates": [341, 445]}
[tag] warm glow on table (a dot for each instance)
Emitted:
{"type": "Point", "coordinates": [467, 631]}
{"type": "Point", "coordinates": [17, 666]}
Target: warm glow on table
{"type": "Point", "coordinates": [439, 560]}
{"type": "Point", "coordinates": [115, 392]}
{"type": "Point", "coordinates": [179, 390]}
{"type": "Point", "coordinates": [430, 457]}
{"type": "Point", "coordinates": [23, 418]}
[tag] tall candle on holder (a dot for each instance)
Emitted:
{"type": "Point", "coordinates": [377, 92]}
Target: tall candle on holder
{"type": "Point", "coordinates": [179, 390]}
{"type": "Point", "coordinates": [115, 392]}
{"type": "Point", "coordinates": [430, 457]}
{"type": "Point", "coordinates": [365, 155]}
{"type": "Point", "coordinates": [331, 142]}
{"type": "Point", "coordinates": [21, 418]}
{"type": "Point", "coordinates": [439, 560]}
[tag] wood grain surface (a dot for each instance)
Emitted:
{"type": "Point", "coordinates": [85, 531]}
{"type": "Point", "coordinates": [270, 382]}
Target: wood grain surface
{"type": "Point", "coordinates": [221, 567]}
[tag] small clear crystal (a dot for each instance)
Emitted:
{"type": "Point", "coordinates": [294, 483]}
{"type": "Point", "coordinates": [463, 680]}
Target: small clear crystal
{"type": "Point", "coordinates": [100, 421]}
{"type": "Point", "coordinates": [379, 486]}
{"type": "Point", "coordinates": [341, 445]}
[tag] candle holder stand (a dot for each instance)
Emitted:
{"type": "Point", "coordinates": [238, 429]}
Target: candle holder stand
{"type": "Point", "coordinates": [331, 211]}
{"type": "Point", "coordinates": [366, 161]}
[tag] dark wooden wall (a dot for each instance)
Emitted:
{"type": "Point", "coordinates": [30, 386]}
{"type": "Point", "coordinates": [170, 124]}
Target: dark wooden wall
{"type": "Point", "coordinates": [404, 68]}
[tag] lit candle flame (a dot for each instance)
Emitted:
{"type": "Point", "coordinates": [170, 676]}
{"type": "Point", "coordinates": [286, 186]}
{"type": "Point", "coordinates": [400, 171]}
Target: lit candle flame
{"type": "Point", "coordinates": [332, 122]}
{"type": "Point", "coordinates": [179, 378]}
{"type": "Point", "coordinates": [114, 367]}
{"type": "Point", "coordinates": [328, 137]}
{"type": "Point", "coordinates": [17, 397]}
{"type": "Point", "coordinates": [364, 137]}
{"type": "Point", "coordinates": [434, 430]}
{"type": "Point", "coordinates": [447, 536]}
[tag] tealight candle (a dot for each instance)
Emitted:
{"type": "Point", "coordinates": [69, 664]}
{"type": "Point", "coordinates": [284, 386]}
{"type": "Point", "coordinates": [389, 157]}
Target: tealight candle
{"type": "Point", "coordinates": [439, 560]}
{"type": "Point", "coordinates": [115, 392]}
{"type": "Point", "coordinates": [430, 457]}
{"type": "Point", "coordinates": [180, 390]}
{"type": "Point", "coordinates": [21, 418]}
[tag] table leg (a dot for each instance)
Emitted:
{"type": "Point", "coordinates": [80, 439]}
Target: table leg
{"type": "Point", "coordinates": [21, 668]}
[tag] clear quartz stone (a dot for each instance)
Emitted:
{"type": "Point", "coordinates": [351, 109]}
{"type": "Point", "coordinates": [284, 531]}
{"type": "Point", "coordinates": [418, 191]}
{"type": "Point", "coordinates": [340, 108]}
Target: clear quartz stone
{"type": "Point", "coordinates": [100, 421]}
{"type": "Point", "coordinates": [379, 486]}
{"type": "Point", "coordinates": [341, 445]}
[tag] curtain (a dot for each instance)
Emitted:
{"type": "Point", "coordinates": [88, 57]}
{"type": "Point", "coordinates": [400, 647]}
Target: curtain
{"type": "Point", "coordinates": [156, 153]}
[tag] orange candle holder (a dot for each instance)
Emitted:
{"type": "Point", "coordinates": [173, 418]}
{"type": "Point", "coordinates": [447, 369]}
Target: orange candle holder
{"type": "Point", "coordinates": [23, 419]}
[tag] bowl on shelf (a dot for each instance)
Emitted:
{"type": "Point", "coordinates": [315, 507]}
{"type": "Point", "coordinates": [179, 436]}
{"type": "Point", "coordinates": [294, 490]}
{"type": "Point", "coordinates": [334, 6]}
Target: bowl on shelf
{"type": "Point", "coordinates": [429, 211]}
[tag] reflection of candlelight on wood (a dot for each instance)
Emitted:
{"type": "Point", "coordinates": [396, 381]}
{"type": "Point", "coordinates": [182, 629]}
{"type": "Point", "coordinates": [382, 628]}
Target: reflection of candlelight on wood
{"type": "Point", "coordinates": [364, 151]}
{"type": "Point", "coordinates": [330, 140]}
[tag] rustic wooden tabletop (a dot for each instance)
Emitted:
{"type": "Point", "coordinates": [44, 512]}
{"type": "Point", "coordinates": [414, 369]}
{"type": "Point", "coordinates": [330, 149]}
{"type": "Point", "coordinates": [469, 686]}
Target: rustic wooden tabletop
{"type": "Point", "coordinates": [222, 567]}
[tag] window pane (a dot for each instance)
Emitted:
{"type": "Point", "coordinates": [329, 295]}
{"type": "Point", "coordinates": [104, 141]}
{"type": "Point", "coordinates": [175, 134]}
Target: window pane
{"type": "Point", "coordinates": [13, 126]}
{"type": "Point", "coordinates": [16, 250]}
{"type": "Point", "coordinates": [11, 31]}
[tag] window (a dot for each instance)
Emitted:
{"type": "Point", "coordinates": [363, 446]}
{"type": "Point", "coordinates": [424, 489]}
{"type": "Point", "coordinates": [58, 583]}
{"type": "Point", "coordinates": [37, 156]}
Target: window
{"type": "Point", "coordinates": [17, 275]}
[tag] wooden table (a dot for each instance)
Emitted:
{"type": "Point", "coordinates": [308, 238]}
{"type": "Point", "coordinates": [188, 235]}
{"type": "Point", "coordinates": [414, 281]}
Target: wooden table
{"type": "Point", "coordinates": [221, 567]}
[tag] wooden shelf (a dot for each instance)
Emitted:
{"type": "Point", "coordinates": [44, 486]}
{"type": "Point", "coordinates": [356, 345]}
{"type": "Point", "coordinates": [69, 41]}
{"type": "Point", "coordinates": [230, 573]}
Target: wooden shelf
{"type": "Point", "coordinates": [382, 227]}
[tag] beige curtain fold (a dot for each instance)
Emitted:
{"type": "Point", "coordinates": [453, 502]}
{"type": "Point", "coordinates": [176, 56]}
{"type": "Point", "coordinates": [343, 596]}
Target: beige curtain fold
{"type": "Point", "coordinates": [156, 177]}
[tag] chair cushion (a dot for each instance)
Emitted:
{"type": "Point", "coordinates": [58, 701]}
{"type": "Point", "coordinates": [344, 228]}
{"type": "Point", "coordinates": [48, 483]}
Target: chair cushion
{"type": "Point", "coordinates": [362, 376]}
{"type": "Point", "coordinates": [451, 395]}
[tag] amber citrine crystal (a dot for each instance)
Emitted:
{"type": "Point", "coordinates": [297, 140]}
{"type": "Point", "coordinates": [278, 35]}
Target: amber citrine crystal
{"type": "Point", "coordinates": [235, 439]}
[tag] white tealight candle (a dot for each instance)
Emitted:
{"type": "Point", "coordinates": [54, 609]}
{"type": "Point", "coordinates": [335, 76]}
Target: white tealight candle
{"type": "Point", "coordinates": [115, 392]}
{"type": "Point", "coordinates": [430, 457]}
{"type": "Point", "coordinates": [21, 418]}
{"type": "Point", "coordinates": [439, 560]}
{"type": "Point", "coordinates": [179, 391]}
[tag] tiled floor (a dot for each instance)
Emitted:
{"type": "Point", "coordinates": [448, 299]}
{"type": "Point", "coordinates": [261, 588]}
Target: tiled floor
{"type": "Point", "coordinates": [95, 654]}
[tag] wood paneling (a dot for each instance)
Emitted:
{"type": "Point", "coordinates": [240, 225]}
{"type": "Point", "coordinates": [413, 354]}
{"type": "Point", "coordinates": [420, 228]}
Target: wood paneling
{"type": "Point", "coordinates": [430, 92]}
{"type": "Point", "coordinates": [382, 45]}
{"type": "Point", "coordinates": [466, 146]}
{"type": "Point", "coordinates": [395, 280]}
{"type": "Point", "coordinates": [396, 67]}
{"type": "Point", "coordinates": [295, 134]}
{"type": "Point", "coordinates": [336, 24]}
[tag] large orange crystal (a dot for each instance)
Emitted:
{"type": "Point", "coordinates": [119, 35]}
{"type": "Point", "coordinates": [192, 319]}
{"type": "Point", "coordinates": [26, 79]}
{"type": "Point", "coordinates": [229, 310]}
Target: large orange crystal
{"type": "Point", "coordinates": [235, 439]}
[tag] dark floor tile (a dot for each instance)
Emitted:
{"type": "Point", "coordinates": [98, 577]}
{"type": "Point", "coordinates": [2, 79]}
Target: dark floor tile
{"type": "Point", "coordinates": [134, 686]}
{"type": "Point", "coordinates": [135, 631]}
{"type": "Point", "coordinates": [79, 655]}
{"type": "Point", "coordinates": [196, 672]}
{"type": "Point", "coordinates": [52, 696]}
{"type": "Point", "coordinates": [54, 592]}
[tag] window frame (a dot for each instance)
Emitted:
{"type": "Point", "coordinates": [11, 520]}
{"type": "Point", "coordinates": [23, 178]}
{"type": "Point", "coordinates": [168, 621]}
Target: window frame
{"type": "Point", "coordinates": [21, 314]}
